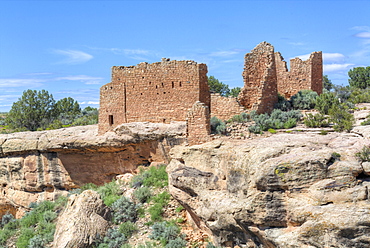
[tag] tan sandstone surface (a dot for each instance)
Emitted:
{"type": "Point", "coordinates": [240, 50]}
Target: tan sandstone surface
{"type": "Point", "coordinates": [42, 165]}
{"type": "Point", "coordinates": [286, 190]}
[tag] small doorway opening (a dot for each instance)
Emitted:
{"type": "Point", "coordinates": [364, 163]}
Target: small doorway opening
{"type": "Point", "coordinates": [111, 121]}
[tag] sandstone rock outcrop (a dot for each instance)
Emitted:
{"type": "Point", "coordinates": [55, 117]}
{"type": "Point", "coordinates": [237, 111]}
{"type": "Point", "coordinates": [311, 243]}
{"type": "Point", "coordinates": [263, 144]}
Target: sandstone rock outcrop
{"type": "Point", "coordinates": [42, 165]}
{"type": "Point", "coordinates": [84, 219]}
{"type": "Point", "coordinates": [287, 190]}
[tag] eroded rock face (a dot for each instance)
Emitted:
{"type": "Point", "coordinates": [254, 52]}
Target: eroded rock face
{"type": "Point", "coordinates": [84, 219]}
{"type": "Point", "coordinates": [288, 190]}
{"type": "Point", "coordinates": [42, 165]}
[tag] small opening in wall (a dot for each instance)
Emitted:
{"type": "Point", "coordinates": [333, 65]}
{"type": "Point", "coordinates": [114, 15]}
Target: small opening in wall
{"type": "Point", "coordinates": [156, 86]}
{"type": "Point", "coordinates": [141, 93]}
{"type": "Point", "coordinates": [173, 85]}
{"type": "Point", "coordinates": [111, 121]}
{"type": "Point", "coordinates": [164, 120]}
{"type": "Point", "coordinates": [111, 87]}
{"type": "Point", "coordinates": [133, 86]}
{"type": "Point", "coordinates": [143, 77]}
{"type": "Point", "coordinates": [180, 84]}
{"type": "Point", "coordinates": [157, 93]}
{"type": "Point", "coordinates": [150, 83]}
{"type": "Point", "coordinates": [162, 85]}
{"type": "Point", "coordinates": [164, 92]}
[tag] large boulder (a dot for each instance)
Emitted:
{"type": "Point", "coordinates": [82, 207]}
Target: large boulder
{"type": "Point", "coordinates": [84, 219]}
{"type": "Point", "coordinates": [287, 190]}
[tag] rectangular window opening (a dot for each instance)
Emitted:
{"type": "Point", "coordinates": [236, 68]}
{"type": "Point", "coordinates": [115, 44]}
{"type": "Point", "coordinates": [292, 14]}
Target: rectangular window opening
{"type": "Point", "coordinates": [111, 120]}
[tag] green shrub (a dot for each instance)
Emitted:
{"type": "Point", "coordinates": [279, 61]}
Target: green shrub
{"type": "Point", "coordinates": [164, 232]}
{"type": "Point", "coordinates": [8, 231]}
{"type": "Point", "coordinates": [341, 118]}
{"type": "Point", "coordinates": [124, 210]}
{"type": "Point", "coordinates": [217, 126]}
{"type": "Point", "coordinates": [364, 154]}
{"type": "Point", "coordinates": [25, 235]}
{"type": "Point", "coordinates": [283, 104]}
{"type": "Point", "coordinates": [176, 243]}
{"type": "Point", "coordinates": [152, 177]}
{"type": "Point", "coordinates": [109, 192]}
{"type": "Point", "coordinates": [6, 219]}
{"type": "Point", "coordinates": [113, 239]}
{"type": "Point", "coordinates": [277, 120]}
{"type": "Point", "coordinates": [142, 194]}
{"type": "Point", "coordinates": [128, 228]}
{"type": "Point", "coordinates": [37, 242]}
{"type": "Point", "coordinates": [159, 201]}
{"type": "Point", "coordinates": [316, 120]}
{"type": "Point", "coordinates": [360, 96]}
{"type": "Point", "coordinates": [273, 131]}
{"type": "Point", "coordinates": [335, 156]}
{"type": "Point", "coordinates": [326, 101]}
{"type": "Point", "coordinates": [365, 122]}
{"type": "Point", "coordinates": [304, 99]}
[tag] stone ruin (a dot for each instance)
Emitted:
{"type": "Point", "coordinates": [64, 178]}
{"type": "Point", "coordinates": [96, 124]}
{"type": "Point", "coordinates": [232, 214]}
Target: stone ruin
{"type": "Point", "coordinates": [160, 92]}
{"type": "Point", "coordinates": [169, 91]}
{"type": "Point", "coordinates": [265, 74]}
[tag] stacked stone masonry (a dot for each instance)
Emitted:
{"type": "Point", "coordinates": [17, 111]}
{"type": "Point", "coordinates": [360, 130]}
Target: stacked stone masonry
{"type": "Point", "coordinates": [225, 108]}
{"type": "Point", "coordinates": [158, 92]}
{"type": "Point", "coordinates": [266, 73]}
{"type": "Point", "coordinates": [260, 83]}
{"type": "Point", "coordinates": [302, 75]}
{"type": "Point", "coordinates": [198, 124]}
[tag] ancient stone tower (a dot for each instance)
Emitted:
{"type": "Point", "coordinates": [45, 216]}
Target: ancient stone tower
{"type": "Point", "coordinates": [265, 74]}
{"type": "Point", "coordinates": [158, 92]}
{"type": "Point", "coordinates": [260, 83]}
{"type": "Point", "coordinates": [302, 75]}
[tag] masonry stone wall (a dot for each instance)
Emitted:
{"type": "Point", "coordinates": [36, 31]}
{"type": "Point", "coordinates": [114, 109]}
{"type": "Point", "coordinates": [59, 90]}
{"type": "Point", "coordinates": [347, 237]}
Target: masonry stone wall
{"type": "Point", "coordinates": [157, 92]}
{"type": "Point", "coordinates": [225, 108]}
{"type": "Point", "coordinates": [260, 82]}
{"type": "Point", "coordinates": [198, 124]}
{"type": "Point", "coordinates": [302, 75]}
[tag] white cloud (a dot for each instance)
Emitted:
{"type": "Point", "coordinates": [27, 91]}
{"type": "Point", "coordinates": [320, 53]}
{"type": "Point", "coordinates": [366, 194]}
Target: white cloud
{"type": "Point", "coordinates": [361, 28]}
{"type": "Point", "coordinates": [336, 67]}
{"type": "Point", "coordinates": [18, 82]}
{"type": "Point", "coordinates": [223, 53]}
{"type": "Point", "coordinates": [73, 56]}
{"type": "Point", "coordinates": [365, 35]}
{"type": "Point", "coordinates": [82, 78]}
{"type": "Point", "coordinates": [333, 57]}
{"type": "Point", "coordinates": [90, 102]}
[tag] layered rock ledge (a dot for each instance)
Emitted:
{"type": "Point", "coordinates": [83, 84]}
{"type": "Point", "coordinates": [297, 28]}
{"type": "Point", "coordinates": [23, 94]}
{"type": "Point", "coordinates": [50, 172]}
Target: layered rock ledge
{"type": "Point", "coordinates": [41, 165]}
{"type": "Point", "coordinates": [287, 190]}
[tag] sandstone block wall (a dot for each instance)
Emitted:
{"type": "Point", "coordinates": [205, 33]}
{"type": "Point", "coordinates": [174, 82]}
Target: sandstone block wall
{"type": "Point", "coordinates": [198, 124]}
{"type": "Point", "coordinates": [302, 75]}
{"type": "Point", "coordinates": [225, 108]}
{"type": "Point", "coordinates": [158, 92]}
{"type": "Point", "coordinates": [260, 82]}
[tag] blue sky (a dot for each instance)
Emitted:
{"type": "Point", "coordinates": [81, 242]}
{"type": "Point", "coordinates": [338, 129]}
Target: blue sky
{"type": "Point", "coordinates": [69, 47]}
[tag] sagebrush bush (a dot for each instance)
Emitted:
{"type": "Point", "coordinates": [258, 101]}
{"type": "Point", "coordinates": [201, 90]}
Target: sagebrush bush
{"type": "Point", "coordinates": [113, 239]}
{"type": "Point", "coordinates": [24, 238]}
{"type": "Point", "coordinates": [164, 232]}
{"type": "Point", "coordinates": [304, 99]}
{"type": "Point", "coordinates": [277, 120]}
{"type": "Point", "coordinates": [176, 243]}
{"type": "Point", "coordinates": [124, 210]}
{"type": "Point", "coordinates": [217, 126]}
{"type": "Point", "coordinates": [142, 194]}
{"type": "Point", "coordinates": [283, 104]}
{"type": "Point", "coordinates": [6, 219]}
